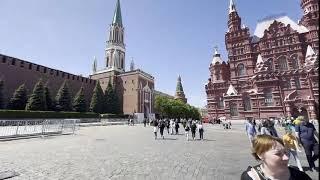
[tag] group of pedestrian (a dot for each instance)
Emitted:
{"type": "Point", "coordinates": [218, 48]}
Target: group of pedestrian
{"type": "Point", "coordinates": [173, 126]}
{"type": "Point", "coordinates": [300, 133]}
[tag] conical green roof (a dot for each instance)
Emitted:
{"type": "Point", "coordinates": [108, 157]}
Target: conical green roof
{"type": "Point", "coordinates": [117, 19]}
{"type": "Point", "coordinates": [179, 85]}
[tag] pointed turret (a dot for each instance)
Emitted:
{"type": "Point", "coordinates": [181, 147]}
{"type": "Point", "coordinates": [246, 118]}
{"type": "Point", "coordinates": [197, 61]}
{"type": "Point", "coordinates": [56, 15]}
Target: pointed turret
{"type": "Point", "coordinates": [115, 51]}
{"type": "Point", "coordinates": [94, 67]}
{"type": "Point", "coordinates": [232, 7]}
{"type": "Point", "coordinates": [131, 65]}
{"type": "Point", "coordinates": [179, 91]}
{"type": "Point", "coordinates": [117, 19]}
{"type": "Point", "coordinates": [216, 57]}
{"type": "Point", "coordinates": [234, 22]}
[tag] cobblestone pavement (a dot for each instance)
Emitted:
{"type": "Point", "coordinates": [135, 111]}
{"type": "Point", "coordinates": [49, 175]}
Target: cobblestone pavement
{"type": "Point", "coordinates": [131, 152]}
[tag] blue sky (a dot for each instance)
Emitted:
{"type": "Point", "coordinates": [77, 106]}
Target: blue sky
{"type": "Point", "coordinates": [165, 37]}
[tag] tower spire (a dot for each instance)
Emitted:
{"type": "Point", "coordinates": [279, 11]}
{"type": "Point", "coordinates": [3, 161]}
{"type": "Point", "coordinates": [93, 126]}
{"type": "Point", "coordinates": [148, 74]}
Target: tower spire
{"type": "Point", "coordinates": [132, 64]}
{"type": "Point", "coordinates": [179, 91]}
{"type": "Point", "coordinates": [115, 51]}
{"type": "Point", "coordinates": [117, 19]}
{"type": "Point", "coordinates": [232, 7]}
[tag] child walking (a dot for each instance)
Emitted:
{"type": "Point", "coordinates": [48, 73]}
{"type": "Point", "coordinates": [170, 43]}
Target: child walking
{"type": "Point", "coordinates": [291, 143]}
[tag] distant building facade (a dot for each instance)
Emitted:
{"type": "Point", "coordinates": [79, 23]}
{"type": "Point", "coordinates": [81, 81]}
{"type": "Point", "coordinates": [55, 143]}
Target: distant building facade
{"type": "Point", "coordinates": [135, 88]}
{"type": "Point", "coordinates": [270, 74]}
{"type": "Point", "coordinates": [162, 94]}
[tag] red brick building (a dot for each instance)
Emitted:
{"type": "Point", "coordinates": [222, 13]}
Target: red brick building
{"type": "Point", "coordinates": [270, 74]}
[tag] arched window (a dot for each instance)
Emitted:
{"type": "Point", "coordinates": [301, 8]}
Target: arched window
{"type": "Point", "coordinates": [297, 82]}
{"type": "Point", "coordinates": [107, 63]}
{"type": "Point", "coordinates": [241, 70]}
{"type": "Point", "coordinates": [282, 63]}
{"type": "Point", "coordinates": [294, 62]}
{"type": "Point", "coordinates": [269, 63]}
{"type": "Point", "coordinates": [247, 103]}
{"type": "Point", "coordinates": [233, 109]}
{"type": "Point", "coordinates": [268, 99]}
{"type": "Point", "coordinates": [220, 102]}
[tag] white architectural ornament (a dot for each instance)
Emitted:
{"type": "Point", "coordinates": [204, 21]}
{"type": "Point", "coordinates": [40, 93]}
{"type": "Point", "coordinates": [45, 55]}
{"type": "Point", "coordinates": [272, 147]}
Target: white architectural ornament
{"type": "Point", "coordinates": [231, 91]}
{"type": "Point", "coordinates": [259, 59]}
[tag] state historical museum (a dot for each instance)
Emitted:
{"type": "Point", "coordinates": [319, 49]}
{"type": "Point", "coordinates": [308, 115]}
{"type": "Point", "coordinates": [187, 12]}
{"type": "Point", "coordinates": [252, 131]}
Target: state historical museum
{"type": "Point", "coordinates": [270, 74]}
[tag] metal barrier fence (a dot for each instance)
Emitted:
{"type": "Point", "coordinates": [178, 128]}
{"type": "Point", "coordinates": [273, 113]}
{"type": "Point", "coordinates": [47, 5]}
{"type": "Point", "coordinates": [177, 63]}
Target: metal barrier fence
{"type": "Point", "coordinates": [19, 128]}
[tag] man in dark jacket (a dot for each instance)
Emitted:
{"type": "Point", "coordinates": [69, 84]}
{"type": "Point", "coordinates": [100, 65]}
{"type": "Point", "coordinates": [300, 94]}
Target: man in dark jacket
{"type": "Point", "coordinates": [306, 133]}
{"type": "Point", "coordinates": [193, 130]}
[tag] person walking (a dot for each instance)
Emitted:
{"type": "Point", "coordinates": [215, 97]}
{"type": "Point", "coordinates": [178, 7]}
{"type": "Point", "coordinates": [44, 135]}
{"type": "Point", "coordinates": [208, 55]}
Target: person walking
{"type": "Point", "coordinates": [271, 128]}
{"type": "Point", "coordinates": [193, 130]}
{"type": "Point", "coordinates": [200, 128]}
{"type": "Point", "coordinates": [172, 126]}
{"type": "Point", "coordinates": [264, 128]}
{"type": "Point", "coordinates": [274, 158]}
{"type": "Point", "coordinates": [291, 143]}
{"type": "Point", "coordinates": [168, 125]}
{"type": "Point", "coordinates": [251, 131]}
{"type": "Point", "coordinates": [187, 129]}
{"type": "Point", "coordinates": [176, 126]}
{"type": "Point", "coordinates": [155, 128]}
{"type": "Point", "coordinates": [307, 134]}
{"type": "Point", "coordinates": [144, 122]}
{"type": "Point", "coordinates": [161, 126]}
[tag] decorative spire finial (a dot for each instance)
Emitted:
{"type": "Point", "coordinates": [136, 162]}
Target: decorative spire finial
{"type": "Point", "coordinates": [94, 68]}
{"type": "Point", "coordinates": [117, 18]}
{"type": "Point", "coordinates": [132, 64]}
{"type": "Point", "coordinates": [215, 50]}
{"type": "Point", "coordinates": [232, 7]}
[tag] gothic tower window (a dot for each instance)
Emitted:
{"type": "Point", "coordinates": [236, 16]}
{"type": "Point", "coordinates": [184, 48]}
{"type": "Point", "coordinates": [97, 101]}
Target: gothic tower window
{"type": "Point", "coordinates": [294, 62]}
{"type": "Point", "coordinates": [233, 109]}
{"type": "Point", "coordinates": [282, 63]}
{"type": "Point", "coordinates": [108, 61]}
{"type": "Point", "coordinates": [270, 64]}
{"type": "Point", "coordinates": [268, 99]}
{"type": "Point", "coordinates": [247, 103]}
{"type": "Point", "coordinates": [220, 103]}
{"type": "Point", "coordinates": [297, 82]}
{"type": "Point", "coordinates": [241, 70]}
{"type": "Point", "coordinates": [287, 83]}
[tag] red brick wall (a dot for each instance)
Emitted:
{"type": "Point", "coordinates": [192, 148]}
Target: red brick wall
{"type": "Point", "coordinates": [19, 73]}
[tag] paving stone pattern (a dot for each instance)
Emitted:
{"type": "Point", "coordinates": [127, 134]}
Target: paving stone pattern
{"type": "Point", "coordinates": [131, 152]}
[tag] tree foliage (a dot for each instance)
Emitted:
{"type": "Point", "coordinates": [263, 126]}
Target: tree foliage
{"type": "Point", "coordinates": [175, 109]}
{"type": "Point", "coordinates": [49, 102]}
{"type": "Point", "coordinates": [63, 98]}
{"type": "Point", "coordinates": [19, 99]}
{"type": "Point", "coordinates": [36, 101]}
{"type": "Point", "coordinates": [97, 100]}
{"type": "Point", "coordinates": [112, 102]}
{"type": "Point", "coordinates": [79, 102]}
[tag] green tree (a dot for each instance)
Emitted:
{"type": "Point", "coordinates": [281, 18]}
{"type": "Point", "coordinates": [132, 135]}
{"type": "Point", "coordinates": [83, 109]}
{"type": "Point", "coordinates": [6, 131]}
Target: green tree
{"type": "Point", "coordinates": [19, 99]}
{"type": "Point", "coordinates": [63, 98]}
{"type": "Point", "coordinates": [97, 100]}
{"type": "Point", "coordinates": [36, 101]}
{"type": "Point", "coordinates": [49, 101]}
{"type": "Point", "coordinates": [79, 102]}
{"type": "Point", "coordinates": [1, 94]}
{"type": "Point", "coordinates": [112, 102]}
